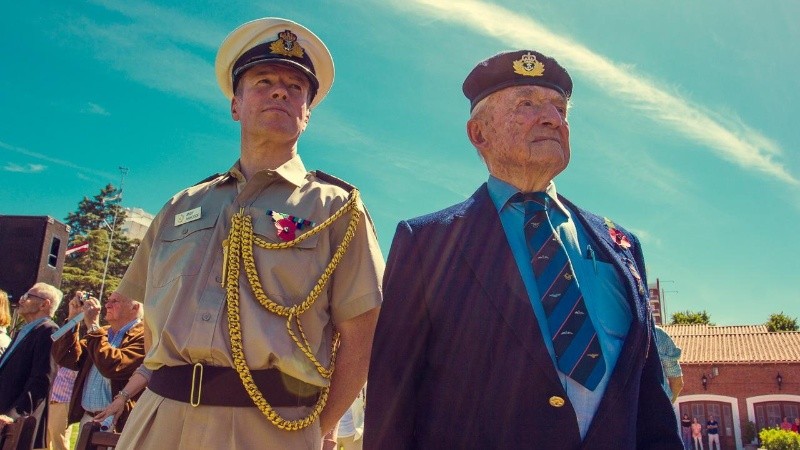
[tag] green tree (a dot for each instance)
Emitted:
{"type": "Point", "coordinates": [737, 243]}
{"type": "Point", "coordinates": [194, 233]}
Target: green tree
{"type": "Point", "coordinates": [94, 213]}
{"type": "Point", "coordinates": [691, 318]}
{"type": "Point", "coordinates": [92, 223]}
{"type": "Point", "coordinates": [781, 322]}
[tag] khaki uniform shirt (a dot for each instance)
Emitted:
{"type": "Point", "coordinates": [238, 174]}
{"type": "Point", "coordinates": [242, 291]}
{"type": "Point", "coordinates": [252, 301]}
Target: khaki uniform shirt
{"type": "Point", "coordinates": [177, 272]}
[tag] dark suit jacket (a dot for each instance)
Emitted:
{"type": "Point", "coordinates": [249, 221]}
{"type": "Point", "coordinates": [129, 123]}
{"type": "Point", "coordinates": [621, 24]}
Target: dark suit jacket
{"type": "Point", "coordinates": [29, 370]}
{"type": "Point", "coordinates": [116, 364]}
{"type": "Point", "coordinates": [458, 359]}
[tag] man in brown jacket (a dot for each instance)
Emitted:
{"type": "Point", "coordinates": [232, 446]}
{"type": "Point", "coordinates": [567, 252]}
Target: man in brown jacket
{"type": "Point", "coordinates": [105, 358]}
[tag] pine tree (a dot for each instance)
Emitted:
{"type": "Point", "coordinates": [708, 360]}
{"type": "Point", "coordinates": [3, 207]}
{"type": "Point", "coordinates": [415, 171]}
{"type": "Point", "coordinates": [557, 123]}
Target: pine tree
{"type": "Point", "coordinates": [92, 222]}
{"type": "Point", "coordinates": [95, 213]}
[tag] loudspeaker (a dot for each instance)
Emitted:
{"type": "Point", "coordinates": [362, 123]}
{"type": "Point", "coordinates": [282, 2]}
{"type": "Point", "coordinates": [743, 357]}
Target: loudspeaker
{"type": "Point", "coordinates": [31, 250]}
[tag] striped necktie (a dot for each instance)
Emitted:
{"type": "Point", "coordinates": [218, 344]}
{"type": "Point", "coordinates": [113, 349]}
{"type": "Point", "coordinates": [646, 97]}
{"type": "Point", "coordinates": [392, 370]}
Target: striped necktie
{"type": "Point", "coordinates": [575, 342]}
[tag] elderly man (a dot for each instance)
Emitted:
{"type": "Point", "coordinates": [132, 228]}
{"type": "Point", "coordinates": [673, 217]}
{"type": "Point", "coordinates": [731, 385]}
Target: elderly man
{"type": "Point", "coordinates": [256, 280]}
{"type": "Point", "coordinates": [26, 370]}
{"type": "Point", "coordinates": [516, 319]}
{"type": "Point", "coordinates": [105, 358]}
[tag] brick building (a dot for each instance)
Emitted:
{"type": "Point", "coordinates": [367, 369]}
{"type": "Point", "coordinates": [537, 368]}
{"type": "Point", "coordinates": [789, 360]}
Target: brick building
{"type": "Point", "coordinates": [738, 374]}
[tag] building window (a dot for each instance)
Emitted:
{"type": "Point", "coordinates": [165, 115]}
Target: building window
{"type": "Point", "coordinates": [698, 410]}
{"type": "Point", "coordinates": [770, 414]}
{"type": "Point", "coordinates": [773, 415]}
{"type": "Point", "coordinates": [790, 410]}
{"type": "Point", "coordinates": [727, 419]}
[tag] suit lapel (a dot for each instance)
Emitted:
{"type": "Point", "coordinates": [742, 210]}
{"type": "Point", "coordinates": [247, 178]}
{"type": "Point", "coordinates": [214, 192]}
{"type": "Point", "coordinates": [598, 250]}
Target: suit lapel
{"type": "Point", "coordinates": [485, 249]}
{"type": "Point", "coordinates": [20, 347]}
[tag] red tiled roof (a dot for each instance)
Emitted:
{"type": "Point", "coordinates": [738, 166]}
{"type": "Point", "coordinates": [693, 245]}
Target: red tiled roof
{"type": "Point", "coordinates": [740, 344]}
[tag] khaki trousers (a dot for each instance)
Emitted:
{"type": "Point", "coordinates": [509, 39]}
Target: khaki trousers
{"type": "Point", "coordinates": [58, 430]}
{"type": "Point", "coordinates": [159, 423]}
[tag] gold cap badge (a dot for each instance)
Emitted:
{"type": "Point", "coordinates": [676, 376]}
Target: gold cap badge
{"type": "Point", "coordinates": [556, 401]}
{"type": "Point", "coordinates": [529, 66]}
{"type": "Point", "coordinates": [286, 45]}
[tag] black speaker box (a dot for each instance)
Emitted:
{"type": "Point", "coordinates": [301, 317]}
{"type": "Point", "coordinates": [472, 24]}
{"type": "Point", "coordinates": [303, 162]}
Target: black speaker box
{"type": "Point", "coordinates": [31, 250]}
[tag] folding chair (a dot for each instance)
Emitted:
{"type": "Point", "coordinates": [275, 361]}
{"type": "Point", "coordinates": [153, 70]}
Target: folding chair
{"type": "Point", "coordinates": [19, 435]}
{"type": "Point", "coordinates": [91, 438]}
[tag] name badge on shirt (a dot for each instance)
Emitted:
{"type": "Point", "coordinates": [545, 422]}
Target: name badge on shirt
{"type": "Point", "coordinates": [187, 216]}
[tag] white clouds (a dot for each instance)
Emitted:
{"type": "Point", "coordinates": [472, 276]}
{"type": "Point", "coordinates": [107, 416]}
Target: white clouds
{"type": "Point", "coordinates": [27, 168]}
{"type": "Point", "coordinates": [728, 138]}
{"type": "Point", "coordinates": [33, 168]}
{"type": "Point", "coordinates": [94, 108]}
{"type": "Point", "coordinates": [164, 22]}
{"type": "Point", "coordinates": [159, 48]}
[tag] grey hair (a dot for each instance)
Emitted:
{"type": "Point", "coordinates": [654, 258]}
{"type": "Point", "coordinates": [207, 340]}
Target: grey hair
{"type": "Point", "coordinates": [53, 294]}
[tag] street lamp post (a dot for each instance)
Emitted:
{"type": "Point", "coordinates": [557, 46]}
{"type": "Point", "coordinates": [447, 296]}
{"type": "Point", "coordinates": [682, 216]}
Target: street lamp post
{"type": "Point", "coordinates": [123, 171]}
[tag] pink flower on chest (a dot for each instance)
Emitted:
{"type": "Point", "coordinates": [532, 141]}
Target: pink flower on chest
{"type": "Point", "coordinates": [286, 229]}
{"type": "Point", "coordinates": [619, 238]}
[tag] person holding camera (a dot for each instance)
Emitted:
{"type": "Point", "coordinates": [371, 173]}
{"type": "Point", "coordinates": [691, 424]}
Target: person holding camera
{"type": "Point", "coordinates": [105, 358]}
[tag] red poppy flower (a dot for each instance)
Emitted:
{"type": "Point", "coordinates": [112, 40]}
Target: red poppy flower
{"type": "Point", "coordinates": [286, 229]}
{"type": "Point", "coordinates": [619, 238]}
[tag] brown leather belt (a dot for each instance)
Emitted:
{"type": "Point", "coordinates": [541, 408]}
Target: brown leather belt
{"type": "Point", "coordinates": [221, 386]}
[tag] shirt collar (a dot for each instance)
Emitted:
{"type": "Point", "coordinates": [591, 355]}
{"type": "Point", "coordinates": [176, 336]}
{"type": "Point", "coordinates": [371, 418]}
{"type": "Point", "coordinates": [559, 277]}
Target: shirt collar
{"type": "Point", "coordinates": [293, 171]}
{"type": "Point", "coordinates": [29, 326]}
{"type": "Point", "coordinates": [122, 330]}
{"type": "Point", "coordinates": [501, 192]}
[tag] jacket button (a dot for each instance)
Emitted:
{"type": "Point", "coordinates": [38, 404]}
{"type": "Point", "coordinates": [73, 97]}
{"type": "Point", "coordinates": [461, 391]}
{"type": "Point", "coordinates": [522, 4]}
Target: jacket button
{"type": "Point", "coordinates": [556, 401]}
{"type": "Point", "coordinates": [206, 317]}
{"type": "Point", "coordinates": [184, 231]}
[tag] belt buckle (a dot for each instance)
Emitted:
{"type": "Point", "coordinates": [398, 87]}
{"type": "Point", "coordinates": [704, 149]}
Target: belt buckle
{"type": "Point", "coordinates": [197, 382]}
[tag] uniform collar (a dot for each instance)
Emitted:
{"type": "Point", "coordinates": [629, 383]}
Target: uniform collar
{"type": "Point", "coordinates": [292, 171]}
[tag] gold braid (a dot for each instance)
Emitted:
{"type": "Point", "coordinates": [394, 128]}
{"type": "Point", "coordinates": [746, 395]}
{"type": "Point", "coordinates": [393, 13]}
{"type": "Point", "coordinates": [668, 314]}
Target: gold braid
{"type": "Point", "coordinates": [239, 246]}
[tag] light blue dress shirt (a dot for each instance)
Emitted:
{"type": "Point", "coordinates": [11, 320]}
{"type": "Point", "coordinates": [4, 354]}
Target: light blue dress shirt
{"type": "Point", "coordinates": [97, 390]}
{"type": "Point", "coordinates": [601, 288]}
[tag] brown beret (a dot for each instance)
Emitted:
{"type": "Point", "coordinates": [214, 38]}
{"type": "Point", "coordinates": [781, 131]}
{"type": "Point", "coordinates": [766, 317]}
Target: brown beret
{"type": "Point", "coordinates": [515, 68]}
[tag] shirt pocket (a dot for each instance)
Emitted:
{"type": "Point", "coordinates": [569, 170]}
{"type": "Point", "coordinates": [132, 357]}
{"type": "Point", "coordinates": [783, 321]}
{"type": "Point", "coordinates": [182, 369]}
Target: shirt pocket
{"type": "Point", "coordinates": [265, 228]}
{"type": "Point", "coordinates": [182, 249]}
{"type": "Point", "coordinates": [289, 274]}
{"type": "Point", "coordinates": [616, 313]}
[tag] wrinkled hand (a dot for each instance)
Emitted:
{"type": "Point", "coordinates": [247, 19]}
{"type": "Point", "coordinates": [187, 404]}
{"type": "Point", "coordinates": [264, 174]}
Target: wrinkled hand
{"type": "Point", "coordinates": [91, 311]}
{"type": "Point", "coordinates": [115, 408]}
{"type": "Point", "coordinates": [75, 305]}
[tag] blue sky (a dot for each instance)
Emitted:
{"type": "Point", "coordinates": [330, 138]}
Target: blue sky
{"type": "Point", "coordinates": [683, 118]}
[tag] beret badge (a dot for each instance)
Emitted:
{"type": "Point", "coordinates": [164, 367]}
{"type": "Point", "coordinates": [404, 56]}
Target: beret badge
{"type": "Point", "coordinates": [286, 45]}
{"type": "Point", "coordinates": [528, 66]}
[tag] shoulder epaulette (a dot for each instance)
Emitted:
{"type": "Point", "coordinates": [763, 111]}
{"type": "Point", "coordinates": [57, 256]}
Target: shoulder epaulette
{"type": "Point", "coordinates": [333, 180]}
{"type": "Point", "coordinates": [216, 175]}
